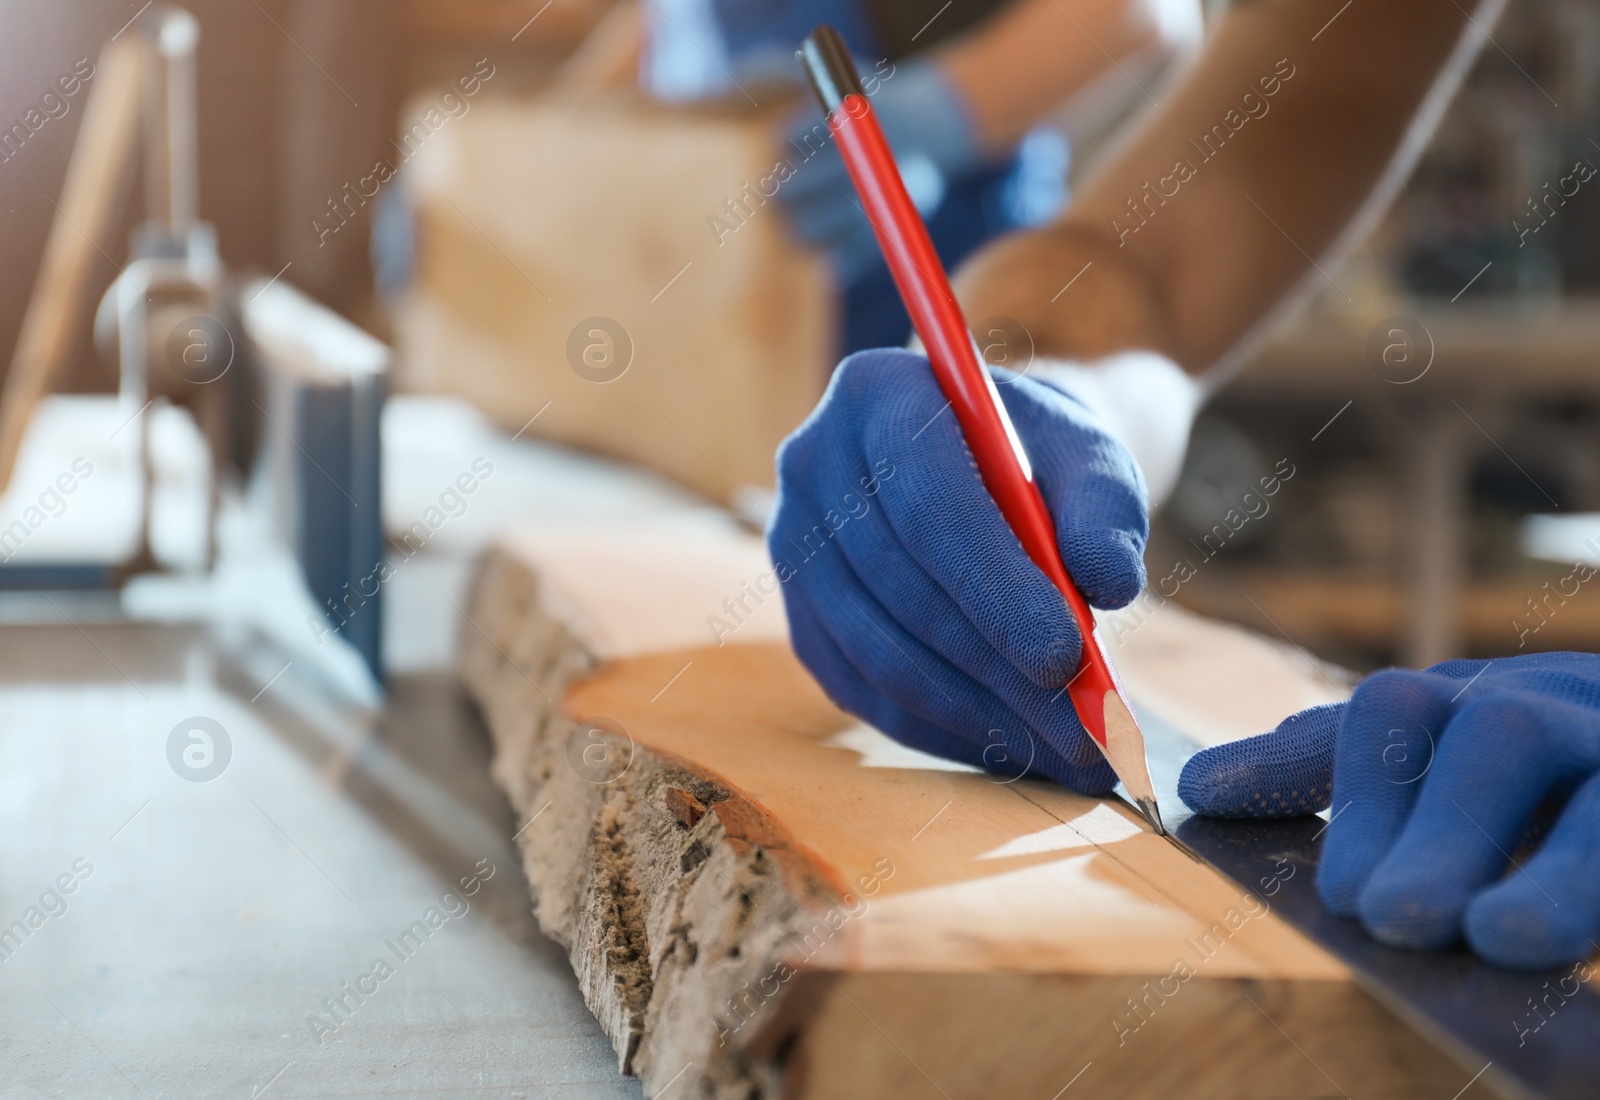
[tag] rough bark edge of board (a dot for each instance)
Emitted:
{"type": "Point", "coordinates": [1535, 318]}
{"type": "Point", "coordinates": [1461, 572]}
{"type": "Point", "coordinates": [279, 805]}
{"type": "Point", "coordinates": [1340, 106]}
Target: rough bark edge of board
{"type": "Point", "coordinates": [676, 898]}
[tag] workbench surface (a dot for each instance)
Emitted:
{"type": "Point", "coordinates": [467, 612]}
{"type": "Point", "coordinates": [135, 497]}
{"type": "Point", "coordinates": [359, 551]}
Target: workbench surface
{"type": "Point", "coordinates": [172, 927]}
{"type": "Point", "coordinates": [208, 919]}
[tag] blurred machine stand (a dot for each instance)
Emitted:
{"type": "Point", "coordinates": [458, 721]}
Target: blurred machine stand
{"type": "Point", "coordinates": [1483, 364]}
{"type": "Point", "coordinates": [170, 320]}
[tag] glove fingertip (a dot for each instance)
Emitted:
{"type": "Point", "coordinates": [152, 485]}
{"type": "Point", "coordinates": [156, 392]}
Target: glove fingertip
{"type": "Point", "coordinates": [1220, 782]}
{"type": "Point", "coordinates": [1284, 773]}
{"type": "Point", "coordinates": [1513, 930]}
{"type": "Point", "coordinates": [1109, 571]}
{"type": "Point", "coordinates": [1052, 657]}
{"type": "Point", "coordinates": [1124, 581]}
{"type": "Point", "coordinates": [1398, 912]}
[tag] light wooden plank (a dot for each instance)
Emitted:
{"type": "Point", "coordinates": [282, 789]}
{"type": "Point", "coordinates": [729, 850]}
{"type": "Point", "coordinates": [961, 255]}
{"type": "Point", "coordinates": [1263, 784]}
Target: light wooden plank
{"type": "Point", "coordinates": [765, 896]}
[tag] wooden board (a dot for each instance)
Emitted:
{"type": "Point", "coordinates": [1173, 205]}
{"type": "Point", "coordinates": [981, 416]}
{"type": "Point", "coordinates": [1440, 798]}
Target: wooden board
{"type": "Point", "coordinates": [554, 229]}
{"type": "Point", "coordinates": [763, 897]}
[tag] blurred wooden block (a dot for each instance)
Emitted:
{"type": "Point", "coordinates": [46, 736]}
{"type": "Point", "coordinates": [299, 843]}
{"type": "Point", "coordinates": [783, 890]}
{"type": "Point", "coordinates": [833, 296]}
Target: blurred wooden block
{"type": "Point", "coordinates": [764, 897]}
{"type": "Point", "coordinates": [569, 269]}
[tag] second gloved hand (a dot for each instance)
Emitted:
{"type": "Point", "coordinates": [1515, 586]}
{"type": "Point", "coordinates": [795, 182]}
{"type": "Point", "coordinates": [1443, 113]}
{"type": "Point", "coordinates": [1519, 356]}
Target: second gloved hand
{"type": "Point", "coordinates": [1437, 777]}
{"type": "Point", "coordinates": [933, 140]}
{"type": "Point", "coordinates": [910, 599]}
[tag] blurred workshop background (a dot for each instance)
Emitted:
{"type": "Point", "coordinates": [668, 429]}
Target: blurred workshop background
{"type": "Point", "coordinates": [1442, 512]}
{"type": "Point", "coordinates": [423, 272]}
{"type": "Point", "coordinates": [474, 181]}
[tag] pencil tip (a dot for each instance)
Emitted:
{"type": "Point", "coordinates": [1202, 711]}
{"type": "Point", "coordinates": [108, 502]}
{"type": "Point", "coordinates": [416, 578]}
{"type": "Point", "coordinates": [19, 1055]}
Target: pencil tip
{"type": "Point", "coordinates": [1152, 814]}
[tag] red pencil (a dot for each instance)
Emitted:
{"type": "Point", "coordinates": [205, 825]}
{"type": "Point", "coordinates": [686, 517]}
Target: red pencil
{"type": "Point", "coordinates": [1002, 462]}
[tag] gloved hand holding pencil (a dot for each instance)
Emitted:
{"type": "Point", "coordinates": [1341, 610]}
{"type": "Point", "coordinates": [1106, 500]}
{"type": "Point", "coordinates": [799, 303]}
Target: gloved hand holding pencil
{"type": "Point", "coordinates": [918, 610]}
{"type": "Point", "coordinates": [910, 599]}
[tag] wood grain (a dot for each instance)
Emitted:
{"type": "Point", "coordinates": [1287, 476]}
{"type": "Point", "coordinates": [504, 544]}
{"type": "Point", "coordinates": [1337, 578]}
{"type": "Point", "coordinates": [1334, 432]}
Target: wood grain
{"type": "Point", "coordinates": [764, 897]}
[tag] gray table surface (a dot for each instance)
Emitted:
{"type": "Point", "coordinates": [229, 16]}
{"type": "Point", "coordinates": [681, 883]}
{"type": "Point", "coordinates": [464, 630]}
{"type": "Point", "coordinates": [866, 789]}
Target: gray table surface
{"type": "Point", "coordinates": [210, 920]}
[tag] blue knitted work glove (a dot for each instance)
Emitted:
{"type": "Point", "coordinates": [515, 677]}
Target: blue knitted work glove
{"type": "Point", "coordinates": [910, 599]}
{"type": "Point", "coordinates": [1437, 778]}
{"type": "Point", "coordinates": [928, 128]}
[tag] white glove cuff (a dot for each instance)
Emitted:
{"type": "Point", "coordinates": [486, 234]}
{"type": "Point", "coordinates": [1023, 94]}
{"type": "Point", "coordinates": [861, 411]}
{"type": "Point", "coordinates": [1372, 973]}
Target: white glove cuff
{"type": "Point", "coordinates": [1143, 399]}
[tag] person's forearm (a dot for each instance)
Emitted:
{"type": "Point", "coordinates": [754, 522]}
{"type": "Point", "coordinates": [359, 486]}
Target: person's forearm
{"type": "Point", "coordinates": [1037, 53]}
{"type": "Point", "coordinates": [1277, 150]}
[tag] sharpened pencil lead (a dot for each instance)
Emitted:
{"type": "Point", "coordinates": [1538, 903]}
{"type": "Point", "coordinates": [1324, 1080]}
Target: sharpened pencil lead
{"type": "Point", "coordinates": [1152, 814]}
